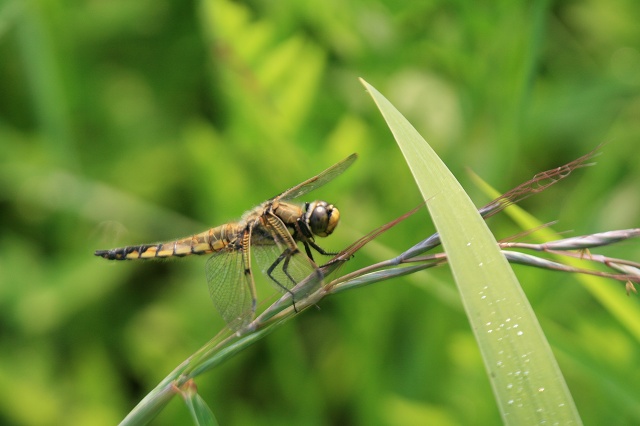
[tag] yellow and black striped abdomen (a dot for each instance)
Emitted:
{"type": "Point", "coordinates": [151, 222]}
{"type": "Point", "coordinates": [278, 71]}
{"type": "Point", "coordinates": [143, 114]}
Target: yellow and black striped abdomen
{"type": "Point", "coordinates": [215, 239]}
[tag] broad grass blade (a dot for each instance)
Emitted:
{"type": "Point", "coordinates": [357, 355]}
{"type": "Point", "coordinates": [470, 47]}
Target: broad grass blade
{"type": "Point", "coordinates": [526, 380]}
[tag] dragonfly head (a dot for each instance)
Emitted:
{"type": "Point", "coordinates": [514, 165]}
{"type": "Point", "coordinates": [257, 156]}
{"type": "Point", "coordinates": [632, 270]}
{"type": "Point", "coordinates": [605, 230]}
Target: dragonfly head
{"type": "Point", "coordinates": [321, 217]}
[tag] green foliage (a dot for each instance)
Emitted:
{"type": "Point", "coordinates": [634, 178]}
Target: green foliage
{"type": "Point", "coordinates": [524, 375]}
{"type": "Point", "coordinates": [129, 122]}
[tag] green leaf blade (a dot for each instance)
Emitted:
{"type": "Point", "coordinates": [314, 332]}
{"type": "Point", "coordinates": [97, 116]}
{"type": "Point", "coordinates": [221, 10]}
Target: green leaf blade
{"type": "Point", "coordinates": [526, 380]}
{"type": "Point", "coordinates": [200, 412]}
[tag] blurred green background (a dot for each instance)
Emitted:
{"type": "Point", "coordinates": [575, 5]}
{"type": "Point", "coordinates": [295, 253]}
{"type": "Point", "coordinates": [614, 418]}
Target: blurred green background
{"type": "Point", "coordinates": [127, 122]}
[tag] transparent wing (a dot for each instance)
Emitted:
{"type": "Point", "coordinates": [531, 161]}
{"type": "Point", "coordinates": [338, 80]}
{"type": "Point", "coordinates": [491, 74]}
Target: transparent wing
{"type": "Point", "coordinates": [319, 180]}
{"type": "Point", "coordinates": [282, 262]}
{"type": "Point", "coordinates": [231, 288]}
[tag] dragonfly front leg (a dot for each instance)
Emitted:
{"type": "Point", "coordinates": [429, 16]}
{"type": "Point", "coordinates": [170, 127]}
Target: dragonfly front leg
{"type": "Point", "coordinates": [307, 249]}
{"type": "Point", "coordinates": [319, 249]}
{"type": "Point", "coordinates": [303, 234]}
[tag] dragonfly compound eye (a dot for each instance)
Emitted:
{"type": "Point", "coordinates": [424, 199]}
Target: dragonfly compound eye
{"type": "Point", "coordinates": [322, 218]}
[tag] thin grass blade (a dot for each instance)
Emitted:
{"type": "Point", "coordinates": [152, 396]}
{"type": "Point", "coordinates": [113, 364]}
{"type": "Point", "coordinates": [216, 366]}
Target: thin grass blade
{"type": "Point", "coordinates": [199, 410]}
{"type": "Point", "coordinates": [615, 301]}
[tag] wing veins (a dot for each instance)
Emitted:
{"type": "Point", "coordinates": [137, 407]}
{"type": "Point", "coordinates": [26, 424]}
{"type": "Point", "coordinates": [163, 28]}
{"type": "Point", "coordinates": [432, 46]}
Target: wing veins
{"type": "Point", "coordinates": [319, 180]}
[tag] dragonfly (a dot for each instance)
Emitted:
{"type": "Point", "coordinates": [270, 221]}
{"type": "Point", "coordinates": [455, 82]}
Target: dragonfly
{"type": "Point", "coordinates": [270, 232]}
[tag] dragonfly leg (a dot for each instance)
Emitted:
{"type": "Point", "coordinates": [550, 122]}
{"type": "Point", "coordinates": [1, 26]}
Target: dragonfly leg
{"type": "Point", "coordinates": [318, 249]}
{"type": "Point", "coordinates": [307, 249]}
{"type": "Point", "coordinates": [286, 255]}
{"type": "Point", "coordinates": [301, 232]}
{"type": "Point", "coordinates": [304, 235]}
{"type": "Point", "coordinates": [285, 268]}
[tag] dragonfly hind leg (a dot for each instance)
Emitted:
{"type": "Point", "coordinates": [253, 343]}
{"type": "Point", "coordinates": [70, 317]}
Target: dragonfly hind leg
{"type": "Point", "coordinates": [286, 256]}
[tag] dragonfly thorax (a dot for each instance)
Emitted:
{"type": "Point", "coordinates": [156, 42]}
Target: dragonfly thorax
{"type": "Point", "coordinates": [321, 218]}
